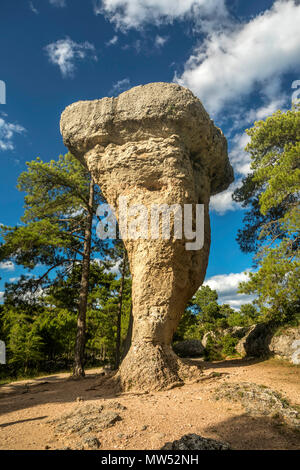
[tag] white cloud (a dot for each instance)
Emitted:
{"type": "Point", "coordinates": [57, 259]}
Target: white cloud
{"type": "Point", "coordinates": [160, 41]}
{"type": "Point", "coordinates": [266, 110]}
{"type": "Point", "coordinates": [7, 134]}
{"type": "Point", "coordinates": [230, 65]}
{"type": "Point", "coordinates": [239, 159]}
{"type": "Point", "coordinates": [7, 266]}
{"type": "Point", "coordinates": [58, 3]}
{"type": "Point", "coordinates": [226, 286]}
{"type": "Point", "coordinates": [113, 41]}
{"type": "Point", "coordinates": [114, 268]}
{"type": "Point", "coordinates": [66, 52]}
{"type": "Point", "coordinates": [33, 8]}
{"type": "Point", "coordinates": [14, 279]}
{"type": "Point", "coordinates": [120, 86]}
{"type": "Point", "coordinates": [1, 295]}
{"type": "Point", "coordinates": [223, 202]}
{"type": "Point", "coordinates": [126, 14]}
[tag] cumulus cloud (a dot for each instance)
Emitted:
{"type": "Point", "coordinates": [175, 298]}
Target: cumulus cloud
{"type": "Point", "coordinates": [226, 286]}
{"type": "Point", "coordinates": [239, 158]}
{"type": "Point", "coordinates": [113, 41]}
{"type": "Point", "coordinates": [65, 52]}
{"type": "Point", "coordinates": [229, 65]}
{"type": "Point", "coordinates": [120, 86]}
{"type": "Point", "coordinates": [7, 266]}
{"type": "Point", "coordinates": [58, 3]}
{"type": "Point", "coordinates": [8, 131]}
{"type": "Point", "coordinates": [160, 41]}
{"type": "Point", "coordinates": [126, 14]}
{"type": "Point", "coordinates": [1, 295]}
{"type": "Point", "coordinates": [33, 8]}
{"type": "Point", "coordinates": [223, 202]}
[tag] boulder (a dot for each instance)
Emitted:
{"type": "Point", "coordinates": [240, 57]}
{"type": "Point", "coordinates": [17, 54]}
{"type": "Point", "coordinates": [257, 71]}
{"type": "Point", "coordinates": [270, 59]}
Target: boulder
{"type": "Point", "coordinates": [209, 335]}
{"type": "Point", "coordinates": [256, 341]}
{"type": "Point", "coordinates": [195, 442]}
{"type": "Point", "coordinates": [286, 345]}
{"type": "Point", "coordinates": [189, 348]}
{"type": "Point", "coordinates": [237, 331]}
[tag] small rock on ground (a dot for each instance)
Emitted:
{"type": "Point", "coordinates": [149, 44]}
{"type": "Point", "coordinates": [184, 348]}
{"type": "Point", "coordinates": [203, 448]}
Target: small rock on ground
{"type": "Point", "coordinates": [91, 442]}
{"type": "Point", "coordinates": [195, 442]}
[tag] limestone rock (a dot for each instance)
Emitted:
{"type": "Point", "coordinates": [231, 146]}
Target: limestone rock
{"type": "Point", "coordinates": [91, 442]}
{"type": "Point", "coordinates": [195, 442]}
{"type": "Point", "coordinates": [210, 335]}
{"type": "Point", "coordinates": [259, 400]}
{"type": "Point", "coordinates": [286, 345]}
{"type": "Point", "coordinates": [85, 419]}
{"type": "Point", "coordinates": [189, 348]}
{"type": "Point", "coordinates": [154, 144]}
{"type": "Point", "coordinates": [237, 331]}
{"type": "Point", "coordinates": [256, 341]}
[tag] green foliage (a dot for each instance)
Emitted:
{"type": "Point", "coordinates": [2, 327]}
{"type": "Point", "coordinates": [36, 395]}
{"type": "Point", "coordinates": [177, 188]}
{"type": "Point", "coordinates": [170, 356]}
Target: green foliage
{"type": "Point", "coordinates": [24, 344]}
{"type": "Point", "coordinates": [212, 349]}
{"type": "Point", "coordinates": [56, 203]}
{"type": "Point", "coordinates": [38, 320]}
{"type": "Point", "coordinates": [228, 344]}
{"type": "Point", "coordinates": [246, 316]}
{"type": "Point", "coordinates": [272, 222]}
{"type": "Point", "coordinates": [40, 331]}
{"type": "Point", "coordinates": [205, 316]}
{"type": "Point", "coordinates": [219, 347]}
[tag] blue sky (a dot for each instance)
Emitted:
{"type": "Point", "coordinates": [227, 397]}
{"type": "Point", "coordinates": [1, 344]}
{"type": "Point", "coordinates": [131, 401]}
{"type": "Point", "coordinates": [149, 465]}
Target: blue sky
{"type": "Point", "coordinates": [240, 58]}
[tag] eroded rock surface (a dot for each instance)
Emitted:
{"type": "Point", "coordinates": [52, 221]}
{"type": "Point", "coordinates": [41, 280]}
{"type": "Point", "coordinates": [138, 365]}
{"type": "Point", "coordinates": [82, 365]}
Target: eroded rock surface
{"type": "Point", "coordinates": [256, 341]}
{"type": "Point", "coordinates": [286, 345]}
{"type": "Point", "coordinates": [195, 442]}
{"type": "Point", "coordinates": [86, 418]}
{"type": "Point", "coordinates": [154, 144]}
{"type": "Point", "coordinates": [259, 400]}
{"type": "Point", "coordinates": [189, 348]}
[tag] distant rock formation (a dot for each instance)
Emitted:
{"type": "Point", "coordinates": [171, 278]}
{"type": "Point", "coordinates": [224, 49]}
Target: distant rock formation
{"type": "Point", "coordinates": [189, 348]}
{"type": "Point", "coordinates": [286, 345]}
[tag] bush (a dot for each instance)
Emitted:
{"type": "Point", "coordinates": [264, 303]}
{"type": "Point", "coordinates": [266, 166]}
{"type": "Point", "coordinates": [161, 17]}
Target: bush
{"type": "Point", "coordinates": [228, 344]}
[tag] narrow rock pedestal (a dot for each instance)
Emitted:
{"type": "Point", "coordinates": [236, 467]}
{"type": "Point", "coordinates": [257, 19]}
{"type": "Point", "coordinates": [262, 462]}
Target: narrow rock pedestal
{"type": "Point", "coordinates": [154, 145]}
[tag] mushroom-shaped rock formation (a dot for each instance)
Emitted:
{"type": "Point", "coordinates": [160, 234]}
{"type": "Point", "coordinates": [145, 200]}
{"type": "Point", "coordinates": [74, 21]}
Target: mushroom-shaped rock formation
{"type": "Point", "coordinates": [154, 144]}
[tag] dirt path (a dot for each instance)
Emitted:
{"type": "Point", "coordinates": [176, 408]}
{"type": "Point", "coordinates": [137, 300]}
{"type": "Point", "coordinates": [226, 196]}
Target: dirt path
{"type": "Point", "coordinates": [150, 420]}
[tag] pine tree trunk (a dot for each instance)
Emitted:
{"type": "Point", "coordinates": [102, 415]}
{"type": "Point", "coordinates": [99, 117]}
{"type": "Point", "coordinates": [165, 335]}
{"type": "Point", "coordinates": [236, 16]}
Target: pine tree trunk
{"type": "Point", "coordinates": [78, 367]}
{"type": "Point", "coordinates": [118, 340]}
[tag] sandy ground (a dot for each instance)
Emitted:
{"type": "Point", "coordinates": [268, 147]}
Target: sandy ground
{"type": "Point", "coordinates": [153, 419]}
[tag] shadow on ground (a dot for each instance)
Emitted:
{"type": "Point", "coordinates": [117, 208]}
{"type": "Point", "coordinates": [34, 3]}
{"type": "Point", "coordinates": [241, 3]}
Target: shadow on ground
{"type": "Point", "coordinates": [53, 389]}
{"type": "Point", "coordinates": [255, 433]}
{"type": "Point", "coordinates": [5, 425]}
{"type": "Point", "coordinates": [228, 363]}
{"type": "Point", "coordinates": [60, 389]}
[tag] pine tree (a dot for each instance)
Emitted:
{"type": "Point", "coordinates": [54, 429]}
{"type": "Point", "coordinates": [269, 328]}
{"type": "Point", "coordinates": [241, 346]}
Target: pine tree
{"type": "Point", "coordinates": [271, 192]}
{"type": "Point", "coordinates": [56, 232]}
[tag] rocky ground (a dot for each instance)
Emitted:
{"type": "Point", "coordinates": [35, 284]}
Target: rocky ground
{"type": "Point", "coordinates": [243, 404]}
